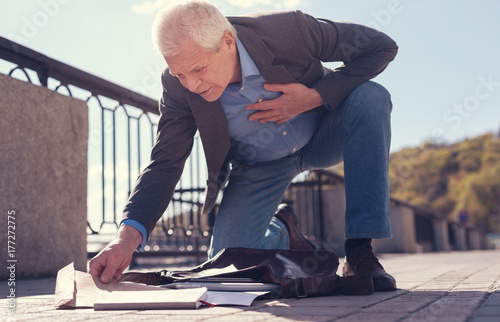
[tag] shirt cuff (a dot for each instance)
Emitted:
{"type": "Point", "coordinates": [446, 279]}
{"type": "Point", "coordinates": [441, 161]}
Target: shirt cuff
{"type": "Point", "coordinates": [141, 228]}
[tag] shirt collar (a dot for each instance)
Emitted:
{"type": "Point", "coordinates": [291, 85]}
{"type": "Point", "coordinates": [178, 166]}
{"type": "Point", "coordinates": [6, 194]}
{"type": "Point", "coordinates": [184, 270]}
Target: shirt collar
{"type": "Point", "coordinates": [248, 67]}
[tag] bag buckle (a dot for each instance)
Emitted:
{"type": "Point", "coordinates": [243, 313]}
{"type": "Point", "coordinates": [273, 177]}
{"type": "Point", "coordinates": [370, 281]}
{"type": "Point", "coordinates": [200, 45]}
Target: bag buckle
{"type": "Point", "coordinates": [299, 288]}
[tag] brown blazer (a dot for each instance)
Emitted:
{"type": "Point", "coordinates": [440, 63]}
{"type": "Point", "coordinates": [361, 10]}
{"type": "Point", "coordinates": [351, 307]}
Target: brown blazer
{"type": "Point", "coordinates": [287, 47]}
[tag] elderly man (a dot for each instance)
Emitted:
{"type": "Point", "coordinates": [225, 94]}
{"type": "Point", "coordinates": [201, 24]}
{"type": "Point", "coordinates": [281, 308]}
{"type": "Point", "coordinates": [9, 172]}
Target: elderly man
{"type": "Point", "coordinates": [266, 109]}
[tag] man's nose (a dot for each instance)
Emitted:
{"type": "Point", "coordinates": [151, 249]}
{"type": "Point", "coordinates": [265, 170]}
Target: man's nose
{"type": "Point", "coordinates": [192, 84]}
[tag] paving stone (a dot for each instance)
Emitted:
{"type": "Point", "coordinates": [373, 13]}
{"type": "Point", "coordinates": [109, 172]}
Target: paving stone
{"type": "Point", "coordinates": [436, 319]}
{"type": "Point", "coordinates": [493, 299]}
{"type": "Point", "coordinates": [252, 314]}
{"type": "Point", "coordinates": [302, 318]}
{"type": "Point", "coordinates": [364, 317]}
{"type": "Point", "coordinates": [488, 310]}
{"type": "Point", "coordinates": [482, 319]}
{"type": "Point", "coordinates": [343, 301]}
{"type": "Point", "coordinates": [208, 311]}
{"type": "Point", "coordinates": [293, 311]}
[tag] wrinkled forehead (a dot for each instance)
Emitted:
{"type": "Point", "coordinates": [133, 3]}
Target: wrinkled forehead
{"type": "Point", "coordinates": [190, 56]}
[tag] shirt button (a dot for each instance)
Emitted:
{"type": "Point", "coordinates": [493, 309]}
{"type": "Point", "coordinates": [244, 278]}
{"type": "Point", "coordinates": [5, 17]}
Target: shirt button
{"type": "Point", "coordinates": [284, 132]}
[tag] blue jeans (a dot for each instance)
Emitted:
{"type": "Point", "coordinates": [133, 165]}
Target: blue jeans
{"type": "Point", "coordinates": [358, 132]}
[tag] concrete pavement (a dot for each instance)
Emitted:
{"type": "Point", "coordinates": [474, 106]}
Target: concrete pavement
{"type": "Point", "coordinates": [452, 286]}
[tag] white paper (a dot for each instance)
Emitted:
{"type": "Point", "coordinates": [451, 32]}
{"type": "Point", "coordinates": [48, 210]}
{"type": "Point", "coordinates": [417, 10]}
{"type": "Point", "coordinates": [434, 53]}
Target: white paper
{"type": "Point", "coordinates": [232, 298]}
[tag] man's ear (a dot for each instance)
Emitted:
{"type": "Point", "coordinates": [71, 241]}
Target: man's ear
{"type": "Point", "coordinates": [228, 39]}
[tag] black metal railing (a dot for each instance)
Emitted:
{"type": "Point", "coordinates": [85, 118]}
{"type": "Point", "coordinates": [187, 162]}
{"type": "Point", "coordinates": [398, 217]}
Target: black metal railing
{"type": "Point", "coordinates": [306, 196]}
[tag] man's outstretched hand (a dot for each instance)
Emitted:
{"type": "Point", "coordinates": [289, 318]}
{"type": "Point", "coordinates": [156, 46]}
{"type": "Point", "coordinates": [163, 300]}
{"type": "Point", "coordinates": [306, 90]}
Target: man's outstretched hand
{"type": "Point", "coordinates": [110, 263]}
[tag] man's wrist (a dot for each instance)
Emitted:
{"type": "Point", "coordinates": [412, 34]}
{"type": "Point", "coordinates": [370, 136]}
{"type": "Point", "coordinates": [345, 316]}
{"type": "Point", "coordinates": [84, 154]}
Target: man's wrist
{"type": "Point", "coordinates": [141, 228]}
{"type": "Point", "coordinates": [316, 98]}
{"type": "Point", "coordinates": [130, 236]}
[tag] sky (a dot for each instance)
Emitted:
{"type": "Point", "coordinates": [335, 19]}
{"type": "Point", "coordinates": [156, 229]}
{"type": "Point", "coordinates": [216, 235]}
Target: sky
{"type": "Point", "coordinates": [445, 81]}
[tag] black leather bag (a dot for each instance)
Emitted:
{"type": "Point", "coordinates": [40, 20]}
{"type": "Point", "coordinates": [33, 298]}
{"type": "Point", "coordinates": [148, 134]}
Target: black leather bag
{"type": "Point", "coordinates": [300, 273]}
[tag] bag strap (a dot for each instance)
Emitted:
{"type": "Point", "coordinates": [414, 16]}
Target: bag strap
{"type": "Point", "coordinates": [149, 278]}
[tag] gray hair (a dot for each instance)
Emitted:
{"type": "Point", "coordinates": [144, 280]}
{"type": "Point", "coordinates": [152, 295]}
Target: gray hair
{"type": "Point", "coordinates": [198, 20]}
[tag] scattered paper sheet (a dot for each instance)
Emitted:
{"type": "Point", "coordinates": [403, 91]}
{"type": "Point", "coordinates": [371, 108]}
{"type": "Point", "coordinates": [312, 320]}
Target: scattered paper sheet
{"type": "Point", "coordinates": [79, 289]}
{"type": "Point", "coordinates": [233, 298]}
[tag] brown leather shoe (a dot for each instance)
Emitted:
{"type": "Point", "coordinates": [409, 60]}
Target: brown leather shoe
{"type": "Point", "coordinates": [363, 263]}
{"type": "Point", "coordinates": [287, 216]}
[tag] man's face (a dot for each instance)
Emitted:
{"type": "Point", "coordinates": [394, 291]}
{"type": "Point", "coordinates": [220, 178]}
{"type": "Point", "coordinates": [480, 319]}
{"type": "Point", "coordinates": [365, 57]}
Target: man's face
{"type": "Point", "coordinates": [206, 73]}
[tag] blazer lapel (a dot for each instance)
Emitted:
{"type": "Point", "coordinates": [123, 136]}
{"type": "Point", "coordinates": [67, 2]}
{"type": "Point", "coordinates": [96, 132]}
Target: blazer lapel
{"type": "Point", "coordinates": [213, 128]}
{"type": "Point", "coordinates": [263, 57]}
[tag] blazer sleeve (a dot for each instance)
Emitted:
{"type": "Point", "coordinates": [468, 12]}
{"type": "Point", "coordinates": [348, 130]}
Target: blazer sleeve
{"type": "Point", "coordinates": [365, 53]}
{"type": "Point", "coordinates": [174, 141]}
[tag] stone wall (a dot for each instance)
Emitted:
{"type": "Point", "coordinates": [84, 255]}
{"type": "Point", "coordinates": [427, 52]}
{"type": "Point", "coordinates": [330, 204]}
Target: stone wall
{"type": "Point", "coordinates": [403, 233]}
{"type": "Point", "coordinates": [43, 190]}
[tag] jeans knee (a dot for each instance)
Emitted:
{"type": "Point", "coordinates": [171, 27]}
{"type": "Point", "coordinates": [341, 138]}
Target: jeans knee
{"type": "Point", "coordinates": [371, 97]}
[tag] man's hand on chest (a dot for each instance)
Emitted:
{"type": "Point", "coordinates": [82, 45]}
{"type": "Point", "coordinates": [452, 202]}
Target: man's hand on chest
{"type": "Point", "coordinates": [296, 99]}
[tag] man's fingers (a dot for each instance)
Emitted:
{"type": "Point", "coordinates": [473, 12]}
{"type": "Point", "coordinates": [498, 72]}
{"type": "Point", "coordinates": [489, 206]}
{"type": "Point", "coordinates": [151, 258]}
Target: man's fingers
{"type": "Point", "coordinates": [96, 267]}
{"type": "Point", "coordinates": [276, 87]}
{"type": "Point", "coordinates": [269, 118]}
{"type": "Point", "coordinates": [283, 120]}
{"type": "Point", "coordinates": [109, 274]}
{"type": "Point", "coordinates": [110, 263]}
{"type": "Point", "coordinates": [94, 270]}
{"type": "Point", "coordinates": [261, 105]}
{"type": "Point", "coordinates": [103, 266]}
{"type": "Point", "coordinates": [264, 116]}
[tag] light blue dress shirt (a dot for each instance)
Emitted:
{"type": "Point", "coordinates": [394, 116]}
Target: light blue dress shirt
{"type": "Point", "coordinates": [253, 141]}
